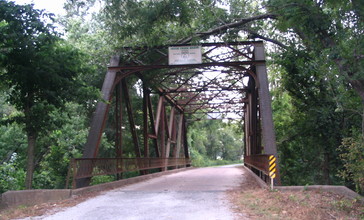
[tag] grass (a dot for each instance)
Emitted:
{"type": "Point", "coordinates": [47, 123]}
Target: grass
{"type": "Point", "coordinates": [265, 204]}
{"type": "Point", "coordinates": [257, 203]}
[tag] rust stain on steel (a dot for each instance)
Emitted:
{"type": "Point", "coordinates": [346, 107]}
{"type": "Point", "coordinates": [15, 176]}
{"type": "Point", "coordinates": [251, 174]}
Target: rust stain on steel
{"type": "Point", "coordinates": [259, 162]}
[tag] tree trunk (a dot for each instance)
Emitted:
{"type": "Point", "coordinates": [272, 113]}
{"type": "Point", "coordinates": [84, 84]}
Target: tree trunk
{"type": "Point", "coordinates": [32, 137]}
{"type": "Point", "coordinates": [362, 123]}
{"type": "Point", "coordinates": [326, 169]}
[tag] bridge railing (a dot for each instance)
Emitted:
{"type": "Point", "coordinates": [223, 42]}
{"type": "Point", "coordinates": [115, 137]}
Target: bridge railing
{"type": "Point", "coordinates": [259, 162]}
{"type": "Point", "coordinates": [89, 167]}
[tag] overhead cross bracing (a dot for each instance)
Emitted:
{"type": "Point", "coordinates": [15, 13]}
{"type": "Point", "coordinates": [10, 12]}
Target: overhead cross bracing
{"type": "Point", "coordinates": [211, 93]}
{"type": "Point", "coordinates": [214, 89]}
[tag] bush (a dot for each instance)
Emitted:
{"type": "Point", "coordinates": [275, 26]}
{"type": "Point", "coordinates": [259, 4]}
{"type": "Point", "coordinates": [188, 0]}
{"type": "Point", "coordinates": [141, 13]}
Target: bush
{"type": "Point", "coordinates": [102, 179]}
{"type": "Point", "coordinates": [11, 177]}
{"type": "Point", "coordinates": [352, 155]}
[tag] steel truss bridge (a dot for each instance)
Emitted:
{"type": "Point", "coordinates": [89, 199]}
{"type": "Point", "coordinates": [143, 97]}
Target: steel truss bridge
{"type": "Point", "coordinates": [230, 83]}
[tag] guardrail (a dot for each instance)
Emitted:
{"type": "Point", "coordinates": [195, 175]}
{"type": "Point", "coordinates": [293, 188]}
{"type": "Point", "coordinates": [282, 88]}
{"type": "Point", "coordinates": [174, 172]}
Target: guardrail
{"type": "Point", "coordinates": [263, 165]}
{"type": "Point", "coordinates": [259, 162]}
{"type": "Point", "coordinates": [89, 167]}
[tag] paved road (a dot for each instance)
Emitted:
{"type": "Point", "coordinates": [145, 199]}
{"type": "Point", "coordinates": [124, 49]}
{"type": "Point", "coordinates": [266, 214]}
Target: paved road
{"type": "Point", "coordinates": [192, 194]}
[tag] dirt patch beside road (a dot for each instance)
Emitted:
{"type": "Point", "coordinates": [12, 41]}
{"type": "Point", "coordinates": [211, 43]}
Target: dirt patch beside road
{"type": "Point", "coordinates": [258, 203]}
{"type": "Point", "coordinates": [45, 208]}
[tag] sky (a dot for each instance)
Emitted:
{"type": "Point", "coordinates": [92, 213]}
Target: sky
{"type": "Point", "coordinates": [52, 6]}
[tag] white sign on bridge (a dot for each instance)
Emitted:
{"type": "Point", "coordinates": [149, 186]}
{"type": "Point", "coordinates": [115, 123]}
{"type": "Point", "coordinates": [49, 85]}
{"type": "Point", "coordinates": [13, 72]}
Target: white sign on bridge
{"type": "Point", "coordinates": [184, 55]}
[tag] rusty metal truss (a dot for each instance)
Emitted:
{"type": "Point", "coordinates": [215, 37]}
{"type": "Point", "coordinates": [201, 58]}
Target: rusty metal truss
{"type": "Point", "coordinates": [81, 167]}
{"type": "Point", "coordinates": [215, 89]}
{"type": "Point", "coordinates": [230, 83]}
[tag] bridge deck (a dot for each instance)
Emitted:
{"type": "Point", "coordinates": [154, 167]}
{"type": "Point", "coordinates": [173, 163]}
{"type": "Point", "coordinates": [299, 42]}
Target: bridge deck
{"type": "Point", "coordinates": [192, 194]}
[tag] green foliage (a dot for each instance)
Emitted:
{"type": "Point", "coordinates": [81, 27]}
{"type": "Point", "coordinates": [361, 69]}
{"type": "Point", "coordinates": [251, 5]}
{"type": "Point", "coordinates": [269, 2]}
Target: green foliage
{"type": "Point", "coordinates": [200, 160]}
{"type": "Point", "coordinates": [309, 128]}
{"type": "Point", "coordinates": [102, 179]}
{"type": "Point", "coordinates": [317, 68]}
{"type": "Point", "coordinates": [352, 155]}
{"type": "Point", "coordinates": [62, 144]}
{"type": "Point", "coordinates": [135, 173]}
{"type": "Point", "coordinates": [11, 175]}
{"type": "Point", "coordinates": [148, 23]}
{"type": "Point", "coordinates": [12, 140]}
{"type": "Point", "coordinates": [38, 69]}
{"type": "Point", "coordinates": [322, 107]}
{"type": "Point", "coordinates": [214, 142]}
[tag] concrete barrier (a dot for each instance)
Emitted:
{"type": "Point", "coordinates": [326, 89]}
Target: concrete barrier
{"type": "Point", "coordinates": [34, 197]}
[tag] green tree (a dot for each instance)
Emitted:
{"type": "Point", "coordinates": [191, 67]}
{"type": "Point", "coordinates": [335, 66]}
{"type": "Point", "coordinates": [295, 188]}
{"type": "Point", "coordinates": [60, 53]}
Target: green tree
{"type": "Point", "coordinates": [215, 139]}
{"type": "Point", "coordinates": [331, 32]}
{"type": "Point", "coordinates": [38, 69]}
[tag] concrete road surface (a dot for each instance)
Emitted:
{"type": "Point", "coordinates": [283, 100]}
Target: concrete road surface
{"type": "Point", "coordinates": [192, 194]}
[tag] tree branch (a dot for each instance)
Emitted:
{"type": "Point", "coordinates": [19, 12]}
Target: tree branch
{"type": "Point", "coordinates": [256, 35]}
{"type": "Point", "coordinates": [225, 27]}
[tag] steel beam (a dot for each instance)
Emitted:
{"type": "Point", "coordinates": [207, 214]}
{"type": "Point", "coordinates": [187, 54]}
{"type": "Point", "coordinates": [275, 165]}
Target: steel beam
{"type": "Point", "coordinates": [159, 114]}
{"type": "Point", "coordinates": [170, 129]}
{"type": "Point", "coordinates": [162, 129]}
{"type": "Point", "coordinates": [145, 120]}
{"type": "Point", "coordinates": [152, 125]}
{"type": "Point", "coordinates": [265, 105]}
{"type": "Point", "coordinates": [99, 118]}
{"type": "Point", "coordinates": [184, 133]}
{"type": "Point", "coordinates": [179, 136]}
{"type": "Point", "coordinates": [118, 125]}
{"type": "Point", "coordinates": [130, 117]}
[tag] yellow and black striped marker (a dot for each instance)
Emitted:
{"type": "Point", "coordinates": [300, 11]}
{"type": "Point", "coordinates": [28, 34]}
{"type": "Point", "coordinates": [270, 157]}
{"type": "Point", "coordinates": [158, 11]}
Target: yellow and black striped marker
{"type": "Point", "coordinates": [272, 166]}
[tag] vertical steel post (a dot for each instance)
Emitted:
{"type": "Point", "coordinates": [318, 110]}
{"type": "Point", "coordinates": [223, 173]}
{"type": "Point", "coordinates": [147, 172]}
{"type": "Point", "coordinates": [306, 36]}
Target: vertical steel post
{"type": "Point", "coordinates": [118, 128]}
{"type": "Point", "coordinates": [185, 144]}
{"type": "Point", "coordinates": [131, 117]}
{"type": "Point", "coordinates": [158, 114]}
{"type": "Point", "coordinates": [174, 136]}
{"type": "Point", "coordinates": [169, 132]}
{"type": "Point", "coordinates": [162, 128]}
{"type": "Point", "coordinates": [145, 120]}
{"type": "Point", "coordinates": [118, 121]}
{"type": "Point", "coordinates": [170, 129]}
{"type": "Point", "coordinates": [153, 125]}
{"type": "Point", "coordinates": [265, 105]}
{"type": "Point", "coordinates": [179, 135]}
{"type": "Point", "coordinates": [247, 130]}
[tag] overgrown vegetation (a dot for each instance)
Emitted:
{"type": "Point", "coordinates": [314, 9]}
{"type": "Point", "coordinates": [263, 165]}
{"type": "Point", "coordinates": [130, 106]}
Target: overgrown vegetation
{"type": "Point", "coordinates": [214, 142]}
{"type": "Point", "coordinates": [352, 155]}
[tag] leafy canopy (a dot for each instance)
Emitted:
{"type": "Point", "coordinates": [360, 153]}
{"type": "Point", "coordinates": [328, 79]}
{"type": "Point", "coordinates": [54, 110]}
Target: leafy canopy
{"type": "Point", "coordinates": [36, 66]}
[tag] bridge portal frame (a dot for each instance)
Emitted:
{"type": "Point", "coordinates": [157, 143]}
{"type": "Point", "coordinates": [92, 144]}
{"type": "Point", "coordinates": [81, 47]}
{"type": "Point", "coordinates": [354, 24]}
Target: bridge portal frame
{"type": "Point", "coordinates": [259, 137]}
